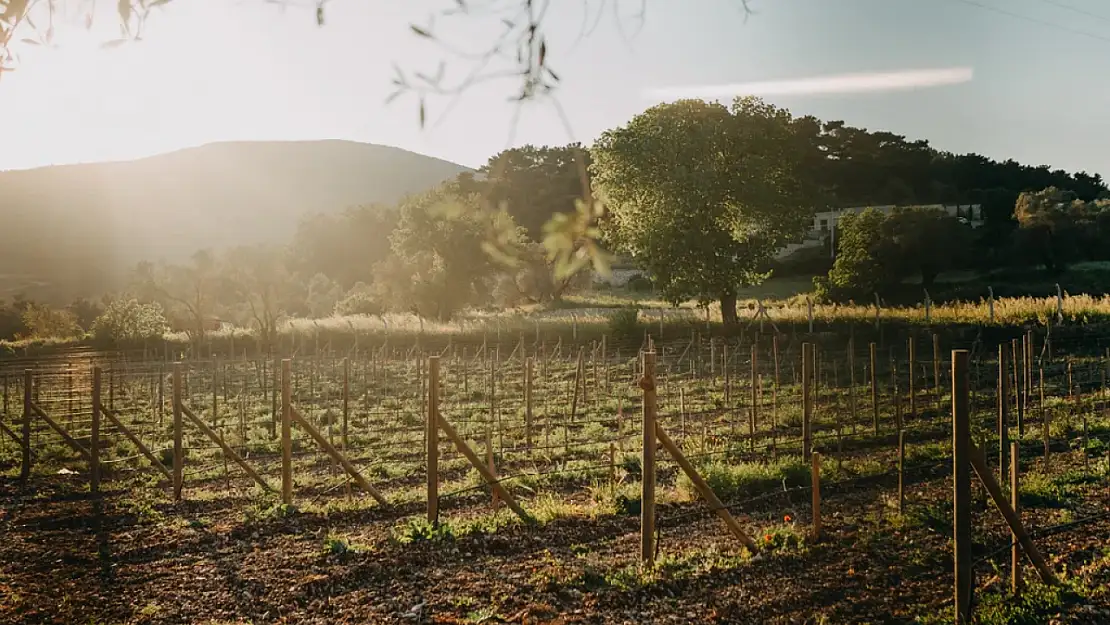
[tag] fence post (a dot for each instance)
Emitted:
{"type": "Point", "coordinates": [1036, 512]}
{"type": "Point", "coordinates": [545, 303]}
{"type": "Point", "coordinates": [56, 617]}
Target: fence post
{"type": "Point", "coordinates": [25, 425]}
{"type": "Point", "coordinates": [807, 398]}
{"type": "Point", "coordinates": [936, 371]}
{"type": "Point", "coordinates": [433, 439]}
{"type": "Point", "coordinates": [346, 398]}
{"type": "Point", "coordinates": [910, 372]}
{"type": "Point", "coordinates": [1003, 409]}
{"type": "Point", "coordinates": [528, 398]}
{"type": "Point", "coordinates": [647, 489]}
{"type": "Point", "coordinates": [961, 500]}
{"type": "Point", "coordinates": [901, 472]}
{"type": "Point", "coordinates": [286, 432]}
{"type": "Point", "coordinates": [815, 475]}
{"type": "Point", "coordinates": [1017, 385]}
{"type": "Point", "coordinates": [178, 448]}
{"type": "Point", "coordinates": [874, 390]}
{"type": "Point", "coordinates": [94, 435]}
{"type": "Point", "coordinates": [1046, 420]}
{"type": "Point", "coordinates": [1015, 546]}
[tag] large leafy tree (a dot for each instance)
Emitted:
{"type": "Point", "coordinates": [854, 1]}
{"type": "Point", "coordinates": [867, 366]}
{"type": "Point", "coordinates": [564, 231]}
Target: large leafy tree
{"type": "Point", "coordinates": [533, 183]}
{"type": "Point", "coordinates": [344, 247]}
{"type": "Point", "coordinates": [863, 254]}
{"type": "Point", "coordinates": [443, 257]}
{"type": "Point", "coordinates": [701, 195]}
{"type": "Point", "coordinates": [1056, 227]}
{"type": "Point", "coordinates": [876, 251]}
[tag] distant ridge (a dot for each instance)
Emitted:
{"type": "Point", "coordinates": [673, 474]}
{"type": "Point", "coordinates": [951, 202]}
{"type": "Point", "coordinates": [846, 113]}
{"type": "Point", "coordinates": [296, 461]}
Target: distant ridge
{"type": "Point", "coordinates": [79, 228]}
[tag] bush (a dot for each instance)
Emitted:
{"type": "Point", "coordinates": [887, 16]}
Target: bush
{"type": "Point", "coordinates": [358, 301]}
{"type": "Point", "coordinates": [43, 322]}
{"type": "Point", "coordinates": [625, 324]}
{"type": "Point", "coordinates": [130, 320]}
{"type": "Point", "coordinates": [640, 284]}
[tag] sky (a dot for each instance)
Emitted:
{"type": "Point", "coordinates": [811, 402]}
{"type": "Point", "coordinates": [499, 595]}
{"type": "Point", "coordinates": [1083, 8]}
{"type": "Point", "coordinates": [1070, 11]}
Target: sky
{"type": "Point", "coordinates": [1030, 75]}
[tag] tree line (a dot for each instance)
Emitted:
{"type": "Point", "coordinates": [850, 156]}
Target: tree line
{"type": "Point", "coordinates": [698, 195]}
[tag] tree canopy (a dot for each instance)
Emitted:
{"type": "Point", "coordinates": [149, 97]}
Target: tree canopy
{"type": "Point", "coordinates": [701, 195]}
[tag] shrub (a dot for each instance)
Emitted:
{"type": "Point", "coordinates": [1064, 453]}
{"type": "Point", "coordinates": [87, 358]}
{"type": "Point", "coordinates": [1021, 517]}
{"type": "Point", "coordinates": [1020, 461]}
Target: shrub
{"type": "Point", "coordinates": [358, 301]}
{"type": "Point", "coordinates": [130, 320]}
{"type": "Point", "coordinates": [44, 322]}
{"type": "Point", "coordinates": [625, 324]}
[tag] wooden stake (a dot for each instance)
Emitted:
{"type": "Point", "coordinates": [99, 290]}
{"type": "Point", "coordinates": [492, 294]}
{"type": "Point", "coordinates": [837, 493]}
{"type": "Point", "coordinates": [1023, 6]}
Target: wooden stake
{"type": "Point", "coordinates": [1003, 406]}
{"type": "Point", "coordinates": [1015, 547]}
{"type": "Point", "coordinates": [815, 478]}
{"type": "Point", "coordinates": [25, 443]}
{"type": "Point", "coordinates": [178, 448]}
{"type": "Point", "coordinates": [94, 436]}
{"type": "Point", "coordinates": [647, 490]}
{"type": "Point", "coordinates": [286, 432]}
{"type": "Point", "coordinates": [528, 402]}
{"type": "Point", "coordinates": [347, 398]}
{"type": "Point", "coordinates": [703, 488]}
{"type": "Point", "coordinates": [432, 451]}
{"type": "Point", "coordinates": [753, 413]}
{"type": "Point", "coordinates": [961, 500]}
{"type": "Point", "coordinates": [874, 391]}
{"type": "Point", "coordinates": [807, 399]}
{"type": "Point", "coordinates": [979, 463]}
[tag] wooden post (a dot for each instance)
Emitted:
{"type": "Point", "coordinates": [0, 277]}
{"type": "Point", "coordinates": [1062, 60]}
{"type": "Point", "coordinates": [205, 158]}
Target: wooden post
{"type": "Point", "coordinates": [347, 398]}
{"type": "Point", "coordinates": [725, 375]}
{"type": "Point", "coordinates": [807, 398]}
{"type": "Point", "coordinates": [25, 425]}
{"type": "Point", "coordinates": [910, 374]}
{"type": "Point", "coordinates": [286, 432]}
{"type": "Point", "coordinates": [936, 371]}
{"type": "Point", "coordinates": [852, 381]}
{"type": "Point", "coordinates": [1045, 418]}
{"type": "Point", "coordinates": [815, 478]}
{"type": "Point", "coordinates": [94, 435]}
{"type": "Point", "coordinates": [961, 500]}
{"type": "Point", "coordinates": [1015, 545]}
{"type": "Point", "coordinates": [491, 464]}
{"type": "Point", "coordinates": [753, 413]}
{"type": "Point", "coordinates": [647, 489]}
{"type": "Point", "coordinates": [528, 401]}
{"type": "Point", "coordinates": [432, 437]}
{"type": "Point", "coordinates": [901, 472]}
{"type": "Point", "coordinates": [178, 448]}
{"type": "Point", "coordinates": [979, 463]}
{"type": "Point", "coordinates": [874, 390]}
{"type": "Point", "coordinates": [1003, 406]}
{"type": "Point", "coordinates": [1016, 391]}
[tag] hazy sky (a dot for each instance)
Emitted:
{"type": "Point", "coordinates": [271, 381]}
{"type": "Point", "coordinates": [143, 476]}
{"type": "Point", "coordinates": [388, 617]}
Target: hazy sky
{"type": "Point", "coordinates": [211, 70]}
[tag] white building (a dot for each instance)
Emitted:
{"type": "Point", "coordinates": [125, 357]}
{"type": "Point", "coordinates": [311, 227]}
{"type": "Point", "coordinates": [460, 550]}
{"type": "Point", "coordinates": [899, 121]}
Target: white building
{"type": "Point", "coordinates": [824, 222]}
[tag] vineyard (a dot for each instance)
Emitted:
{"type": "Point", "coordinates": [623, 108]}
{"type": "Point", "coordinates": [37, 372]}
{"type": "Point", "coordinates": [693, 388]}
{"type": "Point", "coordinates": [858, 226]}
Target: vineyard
{"type": "Point", "coordinates": [760, 478]}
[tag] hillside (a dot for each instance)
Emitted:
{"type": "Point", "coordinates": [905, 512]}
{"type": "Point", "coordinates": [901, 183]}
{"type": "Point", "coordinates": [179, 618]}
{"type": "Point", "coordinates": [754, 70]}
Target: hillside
{"type": "Point", "coordinates": [76, 229]}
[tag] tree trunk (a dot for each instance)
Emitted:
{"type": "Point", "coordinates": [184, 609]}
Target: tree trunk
{"type": "Point", "coordinates": [728, 308]}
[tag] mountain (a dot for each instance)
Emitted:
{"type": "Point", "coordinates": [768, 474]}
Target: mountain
{"type": "Point", "coordinates": [74, 230]}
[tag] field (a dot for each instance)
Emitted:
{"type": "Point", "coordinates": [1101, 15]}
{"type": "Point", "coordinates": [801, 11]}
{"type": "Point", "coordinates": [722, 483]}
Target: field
{"type": "Point", "coordinates": [559, 422]}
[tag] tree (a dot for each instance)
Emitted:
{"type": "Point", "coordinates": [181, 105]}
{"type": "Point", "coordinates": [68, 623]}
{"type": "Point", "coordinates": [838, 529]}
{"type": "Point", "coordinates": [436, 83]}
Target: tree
{"type": "Point", "coordinates": [925, 241]}
{"type": "Point", "coordinates": [344, 247]}
{"type": "Point", "coordinates": [1057, 228]}
{"type": "Point", "coordinates": [188, 292]}
{"type": "Point", "coordinates": [876, 251]}
{"type": "Point", "coordinates": [702, 195]}
{"type": "Point", "coordinates": [44, 322]}
{"type": "Point", "coordinates": [533, 184]}
{"type": "Point", "coordinates": [1047, 226]}
{"type": "Point", "coordinates": [130, 320]}
{"type": "Point", "coordinates": [443, 259]}
{"type": "Point", "coordinates": [260, 282]}
{"type": "Point", "coordinates": [863, 264]}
